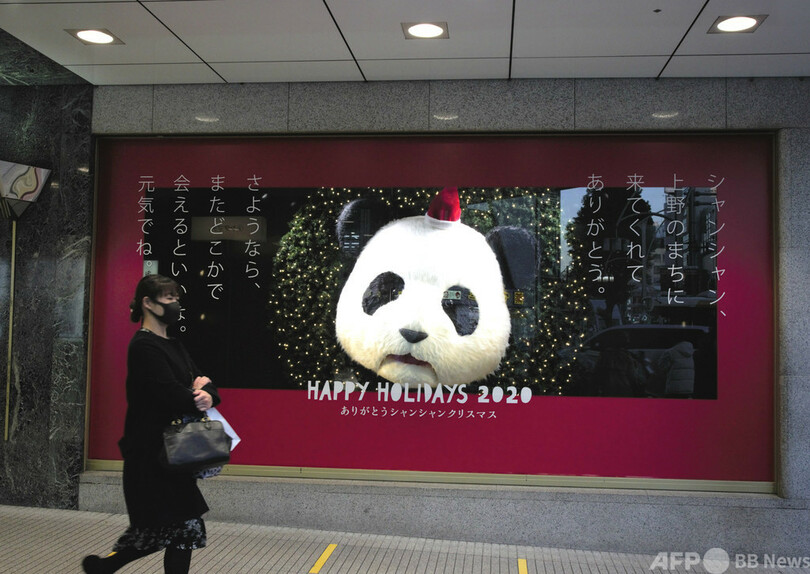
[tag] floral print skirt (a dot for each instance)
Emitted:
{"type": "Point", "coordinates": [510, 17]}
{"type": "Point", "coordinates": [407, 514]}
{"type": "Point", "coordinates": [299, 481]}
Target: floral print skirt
{"type": "Point", "coordinates": [187, 535]}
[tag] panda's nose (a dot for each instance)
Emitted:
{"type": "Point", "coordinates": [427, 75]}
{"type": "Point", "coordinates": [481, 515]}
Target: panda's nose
{"type": "Point", "coordinates": [413, 336]}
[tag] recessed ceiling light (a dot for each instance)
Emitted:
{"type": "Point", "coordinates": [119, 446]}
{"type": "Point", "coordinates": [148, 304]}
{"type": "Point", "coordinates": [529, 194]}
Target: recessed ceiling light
{"type": "Point", "coordinates": [730, 24]}
{"type": "Point", "coordinates": [737, 24]}
{"type": "Point", "coordinates": [95, 36]}
{"type": "Point", "coordinates": [207, 119]}
{"type": "Point", "coordinates": [425, 30]}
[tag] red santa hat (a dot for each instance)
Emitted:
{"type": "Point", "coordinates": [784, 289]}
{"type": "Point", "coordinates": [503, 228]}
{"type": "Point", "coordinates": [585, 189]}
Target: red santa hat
{"type": "Point", "coordinates": [444, 210]}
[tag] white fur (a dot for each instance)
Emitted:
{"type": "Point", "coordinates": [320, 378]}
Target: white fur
{"type": "Point", "coordinates": [430, 260]}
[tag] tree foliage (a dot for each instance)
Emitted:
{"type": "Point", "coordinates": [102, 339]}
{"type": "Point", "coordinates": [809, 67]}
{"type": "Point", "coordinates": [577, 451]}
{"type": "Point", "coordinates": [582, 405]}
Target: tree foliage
{"type": "Point", "coordinates": [308, 272]}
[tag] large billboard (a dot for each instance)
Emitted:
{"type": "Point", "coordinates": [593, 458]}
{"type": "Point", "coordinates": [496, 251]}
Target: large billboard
{"type": "Point", "coordinates": [597, 306]}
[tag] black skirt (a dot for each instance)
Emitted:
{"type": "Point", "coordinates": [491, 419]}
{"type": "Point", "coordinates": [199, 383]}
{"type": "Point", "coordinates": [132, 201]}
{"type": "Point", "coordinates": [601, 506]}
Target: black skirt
{"type": "Point", "coordinates": [188, 535]}
{"type": "Point", "coordinates": [156, 497]}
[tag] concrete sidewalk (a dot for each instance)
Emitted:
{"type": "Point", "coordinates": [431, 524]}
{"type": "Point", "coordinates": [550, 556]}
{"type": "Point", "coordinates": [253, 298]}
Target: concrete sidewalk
{"type": "Point", "coordinates": [45, 541]}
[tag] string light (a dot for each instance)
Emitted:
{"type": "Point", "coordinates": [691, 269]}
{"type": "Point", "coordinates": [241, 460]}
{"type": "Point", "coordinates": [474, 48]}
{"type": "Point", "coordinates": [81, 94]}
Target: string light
{"type": "Point", "coordinates": [308, 270]}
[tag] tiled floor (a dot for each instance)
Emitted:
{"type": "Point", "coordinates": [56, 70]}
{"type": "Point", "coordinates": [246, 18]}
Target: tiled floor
{"type": "Point", "coordinates": [42, 541]}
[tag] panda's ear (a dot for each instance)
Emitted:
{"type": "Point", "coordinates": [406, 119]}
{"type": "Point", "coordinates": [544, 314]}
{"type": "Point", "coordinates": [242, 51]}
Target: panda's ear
{"type": "Point", "coordinates": [516, 250]}
{"type": "Point", "coordinates": [359, 220]}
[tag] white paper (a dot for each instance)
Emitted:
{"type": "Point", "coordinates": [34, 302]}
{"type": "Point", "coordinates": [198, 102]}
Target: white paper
{"type": "Point", "coordinates": [215, 415]}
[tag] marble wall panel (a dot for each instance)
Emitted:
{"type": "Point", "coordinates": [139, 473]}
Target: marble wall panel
{"type": "Point", "coordinates": [794, 402]}
{"type": "Point", "coordinates": [793, 236]}
{"type": "Point", "coordinates": [215, 108]}
{"type": "Point", "coordinates": [517, 105]}
{"type": "Point", "coordinates": [642, 104]}
{"type": "Point", "coordinates": [794, 181]}
{"type": "Point", "coordinates": [42, 458]}
{"type": "Point", "coordinates": [359, 107]}
{"type": "Point", "coordinates": [794, 313]}
{"type": "Point", "coordinates": [123, 109]}
{"type": "Point", "coordinates": [21, 65]}
{"type": "Point", "coordinates": [768, 103]}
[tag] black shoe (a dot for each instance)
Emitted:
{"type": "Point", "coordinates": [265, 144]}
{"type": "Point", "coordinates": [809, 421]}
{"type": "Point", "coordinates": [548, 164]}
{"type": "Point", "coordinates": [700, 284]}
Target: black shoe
{"type": "Point", "coordinates": [92, 564]}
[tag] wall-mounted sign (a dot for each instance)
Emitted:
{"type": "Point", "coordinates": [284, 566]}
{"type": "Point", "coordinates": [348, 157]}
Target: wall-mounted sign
{"type": "Point", "coordinates": [566, 306]}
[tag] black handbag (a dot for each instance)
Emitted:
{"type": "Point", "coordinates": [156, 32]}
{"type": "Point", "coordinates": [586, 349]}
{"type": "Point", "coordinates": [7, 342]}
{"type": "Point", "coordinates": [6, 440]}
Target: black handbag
{"type": "Point", "coordinates": [195, 446]}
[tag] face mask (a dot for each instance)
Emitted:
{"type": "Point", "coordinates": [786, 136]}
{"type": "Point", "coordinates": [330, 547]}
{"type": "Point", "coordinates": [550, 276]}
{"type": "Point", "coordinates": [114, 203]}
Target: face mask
{"type": "Point", "coordinates": [171, 312]}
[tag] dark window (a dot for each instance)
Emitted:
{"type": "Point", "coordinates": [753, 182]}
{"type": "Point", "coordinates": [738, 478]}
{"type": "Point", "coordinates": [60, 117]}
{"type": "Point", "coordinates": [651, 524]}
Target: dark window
{"type": "Point", "coordinates": [460, 305]}
{"type": "Point", "coordinates": [385, 288]}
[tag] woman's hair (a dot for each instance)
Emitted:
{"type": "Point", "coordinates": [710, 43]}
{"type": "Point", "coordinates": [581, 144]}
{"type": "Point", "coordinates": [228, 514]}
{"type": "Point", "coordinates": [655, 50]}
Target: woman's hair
{"type": "Point", "coordinates": [154, 287]}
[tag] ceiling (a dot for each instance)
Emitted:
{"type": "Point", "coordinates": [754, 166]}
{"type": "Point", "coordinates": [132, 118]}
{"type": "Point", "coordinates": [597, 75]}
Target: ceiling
{"type": "Point", "coordinates": [239, 41]}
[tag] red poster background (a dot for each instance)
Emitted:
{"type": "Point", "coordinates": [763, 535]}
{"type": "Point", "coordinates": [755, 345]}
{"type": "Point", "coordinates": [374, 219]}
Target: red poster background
{"type": "Point", "coordinates": [730, 438]}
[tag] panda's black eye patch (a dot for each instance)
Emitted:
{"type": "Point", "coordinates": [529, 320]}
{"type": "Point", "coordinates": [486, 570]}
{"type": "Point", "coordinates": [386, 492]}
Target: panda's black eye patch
{"type": "Point", "coordinates": [460, 305]}
{"type": "Point", "coordinates": [383, 289]}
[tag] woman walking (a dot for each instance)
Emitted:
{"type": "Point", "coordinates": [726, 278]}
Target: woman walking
{"type": "Point", "coordinates": [163, 384]}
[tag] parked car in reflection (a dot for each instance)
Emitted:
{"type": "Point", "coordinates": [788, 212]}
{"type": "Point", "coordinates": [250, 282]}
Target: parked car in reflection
{"type": "Point", "coordinates": [647, 360]}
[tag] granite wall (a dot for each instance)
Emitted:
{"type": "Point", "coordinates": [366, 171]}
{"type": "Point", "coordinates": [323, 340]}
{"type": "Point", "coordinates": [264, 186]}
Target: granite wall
{"type": "Point", "coordinates": [41, 459]}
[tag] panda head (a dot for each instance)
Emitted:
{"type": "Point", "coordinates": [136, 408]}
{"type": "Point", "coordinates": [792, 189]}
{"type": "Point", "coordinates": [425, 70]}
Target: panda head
{"type": "Point", "coordinates": [424, 303]}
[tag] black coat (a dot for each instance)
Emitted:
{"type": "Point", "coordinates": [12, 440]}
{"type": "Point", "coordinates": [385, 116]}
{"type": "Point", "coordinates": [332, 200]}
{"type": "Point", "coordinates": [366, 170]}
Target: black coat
{"type": "Point", "coordinates": [160, 375]}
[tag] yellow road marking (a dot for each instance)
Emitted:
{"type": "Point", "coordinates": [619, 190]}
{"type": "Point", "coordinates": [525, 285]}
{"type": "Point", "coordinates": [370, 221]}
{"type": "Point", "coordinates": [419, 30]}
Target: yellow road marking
{"type": "Point", "coordinates": [522, 568]}
{"type": "Point", "coordinates": [322, 560]}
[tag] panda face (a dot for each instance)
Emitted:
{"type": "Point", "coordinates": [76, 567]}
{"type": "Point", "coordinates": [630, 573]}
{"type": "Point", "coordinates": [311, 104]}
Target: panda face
{"type": "Point", "coordinates": [458, 302]}
{"type": "Point", "coordinates": [425, 305]}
